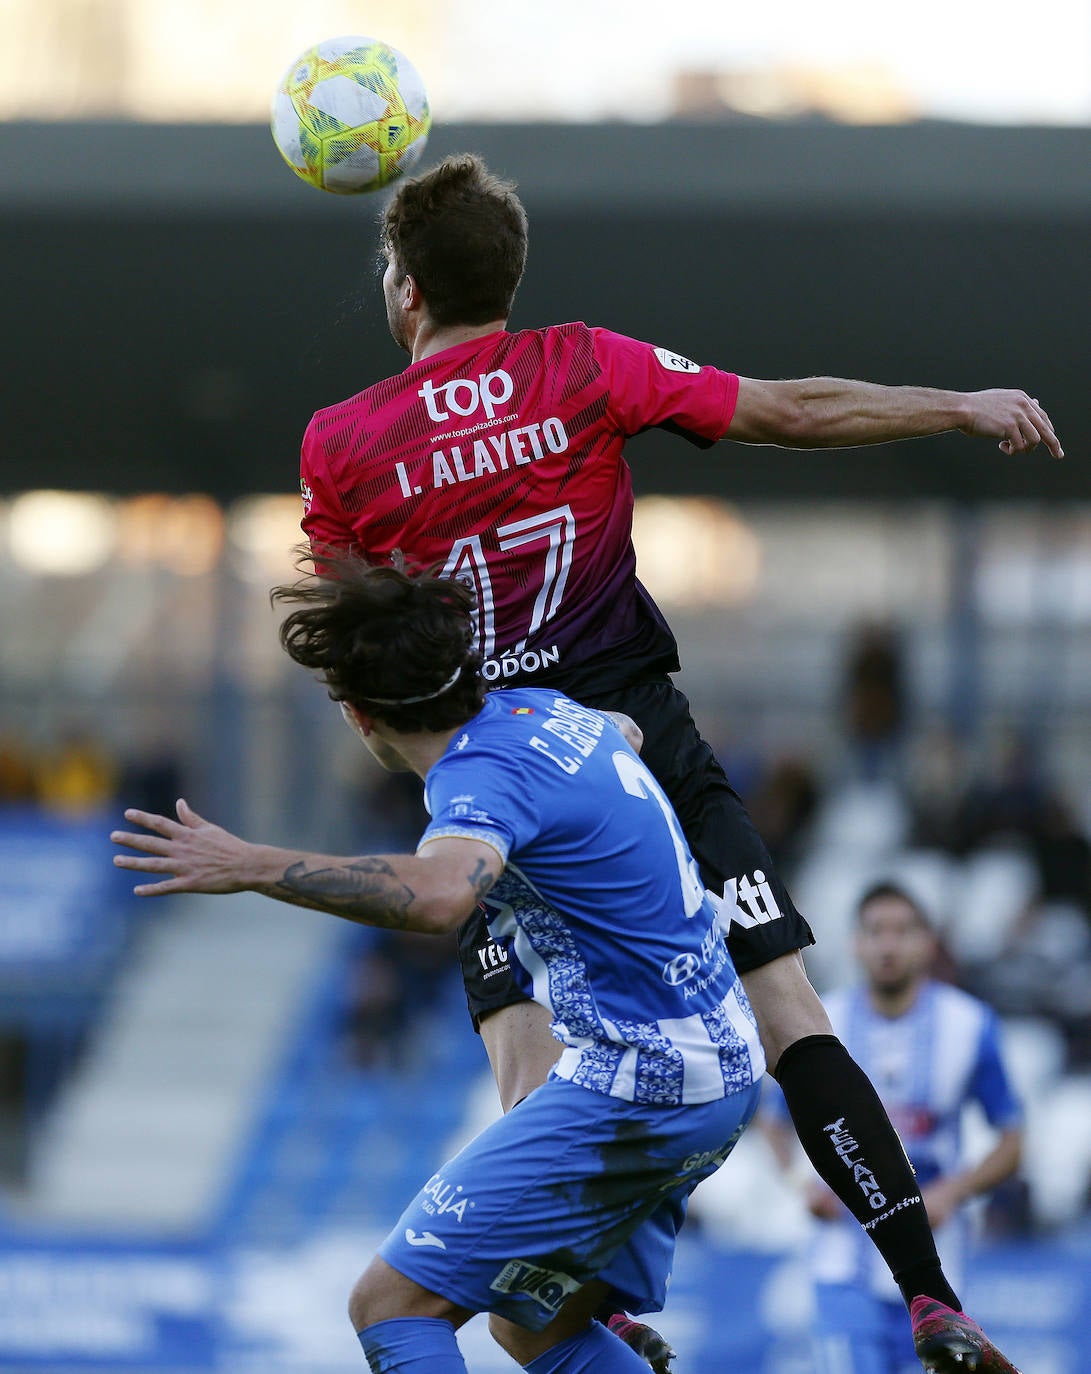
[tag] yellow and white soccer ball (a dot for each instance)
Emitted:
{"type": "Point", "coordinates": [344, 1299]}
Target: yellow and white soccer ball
{"type": "Point", "coordinates": [351, 114]}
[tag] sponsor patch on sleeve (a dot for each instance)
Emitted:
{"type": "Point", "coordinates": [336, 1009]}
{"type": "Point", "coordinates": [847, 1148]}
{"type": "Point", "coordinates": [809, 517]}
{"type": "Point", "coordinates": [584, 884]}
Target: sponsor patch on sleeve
{"type": "Point", "coordinates": [674, 362]}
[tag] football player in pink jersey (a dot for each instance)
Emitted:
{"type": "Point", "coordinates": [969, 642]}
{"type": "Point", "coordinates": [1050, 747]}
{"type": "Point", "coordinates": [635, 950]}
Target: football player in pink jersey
{"type": "Point", "coordinates": [498, 455]}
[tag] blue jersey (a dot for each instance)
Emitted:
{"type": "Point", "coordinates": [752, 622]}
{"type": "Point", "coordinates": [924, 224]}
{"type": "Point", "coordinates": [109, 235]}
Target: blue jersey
{"type": "Point", "coordinates": [600, 902]}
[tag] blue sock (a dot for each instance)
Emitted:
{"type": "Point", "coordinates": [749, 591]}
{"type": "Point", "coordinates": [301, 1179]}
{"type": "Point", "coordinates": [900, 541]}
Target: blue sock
{"type": "Point", "coordinates": [594, 1351]}
{"type": "Point", "coordinates": [412, 1345]}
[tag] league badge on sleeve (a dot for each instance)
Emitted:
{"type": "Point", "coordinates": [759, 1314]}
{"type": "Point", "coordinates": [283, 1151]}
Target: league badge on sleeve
{"type": "Point", "coordinates": [674, 362]}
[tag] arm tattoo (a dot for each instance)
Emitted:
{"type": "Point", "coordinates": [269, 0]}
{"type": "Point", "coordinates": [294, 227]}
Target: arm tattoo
{"type": "Point", "coordinates": [365, 890]}
{"type": "Point", "coordinates": [481, 880]}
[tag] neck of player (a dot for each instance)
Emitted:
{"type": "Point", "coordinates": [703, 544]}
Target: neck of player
{"type": "Point", "coordinates": [432, 338]}
{"type": "Point", "coordinates": [415, 753]}
{"type": "Point", "coordinates": [894, 1000]}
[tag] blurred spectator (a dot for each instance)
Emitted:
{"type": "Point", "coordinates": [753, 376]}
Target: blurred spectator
{"type": "Point", "coordinates": [152, 779]}
{"type": "Point", "coordinates": [782, 804]}
{"type": "Point", "coordinates": [1009, 799]}
{"type": "Point", "coordinates": [1044, 970]}
{"type": "Point", "coordinates": [17, 781]}
{"type": "Point", "coordinates": [1063, 855]}
{"type": "Point", "coordinates": [396, 981]}
{"type": "Point", "coordinates": [389, 808]}
{"type": "Point", "coordinates": [875, 701]}
{"type": "Point", "coordinates": [398, 975]}
{"type": "Point", "coordinates": [76, 776]}
{"type": "Point", "coordinates": [937, 781]}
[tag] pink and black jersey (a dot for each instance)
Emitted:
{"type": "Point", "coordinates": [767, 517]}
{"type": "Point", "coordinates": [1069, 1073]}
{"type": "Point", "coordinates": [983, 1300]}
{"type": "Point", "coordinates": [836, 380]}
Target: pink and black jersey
{"type": "Point", "coordinates": [500, 459]}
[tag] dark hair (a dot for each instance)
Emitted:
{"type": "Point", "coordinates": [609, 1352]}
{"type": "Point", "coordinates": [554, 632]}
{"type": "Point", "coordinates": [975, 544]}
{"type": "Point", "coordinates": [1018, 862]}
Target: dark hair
{"type": "Point", "coordinates": [386, 640]}
{"type": "Point", "coordinates": [887, 888]}
{"type": "Point", "coordinates": [461, 233]}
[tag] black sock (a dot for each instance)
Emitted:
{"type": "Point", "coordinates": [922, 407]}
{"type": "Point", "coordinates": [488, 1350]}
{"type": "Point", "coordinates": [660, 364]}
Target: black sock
{"type": "Point", "coordinates": [848, 1138]}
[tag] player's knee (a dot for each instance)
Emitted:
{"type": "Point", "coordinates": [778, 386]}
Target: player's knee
{"type": "Point", "coordinates": [362, 1303]}
{"type": "Point", "coordinates": [376, 1296]}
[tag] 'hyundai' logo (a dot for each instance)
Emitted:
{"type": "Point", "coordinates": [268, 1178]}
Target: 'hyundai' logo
{"type": "Point", "coordinates": [681, 969]}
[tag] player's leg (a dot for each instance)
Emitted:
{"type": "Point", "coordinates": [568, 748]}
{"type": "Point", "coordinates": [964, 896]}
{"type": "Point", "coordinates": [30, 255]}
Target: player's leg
{"type": "Point", "coordinates": [402, 1327]}
{"type": "Point", "coordinates": [515, 1031]}
{"type": "Point", "coordinates": [545, 1201]}
{"type": "Point", "coordinates": [830, 1099]}
{"type": "Point", "coordinates": [639, 1269]}
{"type": "Point", "coordinates": [521, 1051]}
{"type": "Point", "coordinates": [573, 1341]}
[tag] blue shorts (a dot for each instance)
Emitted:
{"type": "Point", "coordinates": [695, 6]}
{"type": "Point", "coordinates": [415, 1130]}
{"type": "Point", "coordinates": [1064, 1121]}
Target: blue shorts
{"type": "Point", "coordinates": [855, 1333]}
{"type": "Point", "coordinates": [570, 1186]}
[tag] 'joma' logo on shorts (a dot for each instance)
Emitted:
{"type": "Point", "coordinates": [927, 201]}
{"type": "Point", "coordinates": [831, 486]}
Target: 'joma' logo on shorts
{"type": "Point", "coordinates": [425, 1238]}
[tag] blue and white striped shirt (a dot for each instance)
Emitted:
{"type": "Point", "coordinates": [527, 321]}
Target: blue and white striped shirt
{"type": "Point", "coordinates": [927, 1065]}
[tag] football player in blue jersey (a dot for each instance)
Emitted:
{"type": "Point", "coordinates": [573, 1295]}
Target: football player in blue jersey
{"type": "Point", "coordinates": [540, 810]}
{"type": "Point", "coordinates": [930, 1049]}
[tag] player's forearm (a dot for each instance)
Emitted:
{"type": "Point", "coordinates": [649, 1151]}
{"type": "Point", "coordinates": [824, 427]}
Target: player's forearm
{"type": "Point", "coordinates": [834, 412]}
{"type": "Point", "coordinates": [391, 891]}
{"type": "Point", "coordinates": [999, 1164]}
{"type": "Point", "coordinates": [837, 413]}
{"type": "Point", "coordinates": [431, 894]}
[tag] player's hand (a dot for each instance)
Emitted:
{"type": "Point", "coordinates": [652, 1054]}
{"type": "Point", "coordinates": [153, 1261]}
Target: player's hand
{"type": "Point", "coordinates": [1013, 417]}
{"type": "Point", "coordinates": [823, 1203]}
{"type": "Point", "coordinates": [198, 856]}
{"type": "Point", "coordinates": [942, 1200]}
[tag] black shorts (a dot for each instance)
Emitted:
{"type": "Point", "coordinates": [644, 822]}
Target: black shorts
{"type": "Point", "coordinates": [720, 833]}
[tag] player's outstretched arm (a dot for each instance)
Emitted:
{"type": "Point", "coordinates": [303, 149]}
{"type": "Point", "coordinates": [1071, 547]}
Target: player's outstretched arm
{"type": "Point", "coordinates": [431, 892]}
{"type": "Point", "coordinates": [833, 412]}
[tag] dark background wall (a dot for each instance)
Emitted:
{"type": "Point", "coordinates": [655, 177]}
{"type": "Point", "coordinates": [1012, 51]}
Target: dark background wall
{"type": "Point", "coordinates": [178, 304]}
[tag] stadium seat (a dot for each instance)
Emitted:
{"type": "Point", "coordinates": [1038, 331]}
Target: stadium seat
{"type": "Point", "coordinates": [1057, 1160]}
{"type": "Point", "coordinates": [997, 887]}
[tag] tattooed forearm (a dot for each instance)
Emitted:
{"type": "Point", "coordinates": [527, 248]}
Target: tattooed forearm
{"type": "Point", "coordinates": [365, 890]}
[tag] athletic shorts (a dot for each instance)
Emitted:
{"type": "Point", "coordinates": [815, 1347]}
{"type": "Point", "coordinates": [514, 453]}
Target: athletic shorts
{"type": "Point", "coordinates": [720, 833]}
{"type": "Point", "coordinates": [569, 1186]}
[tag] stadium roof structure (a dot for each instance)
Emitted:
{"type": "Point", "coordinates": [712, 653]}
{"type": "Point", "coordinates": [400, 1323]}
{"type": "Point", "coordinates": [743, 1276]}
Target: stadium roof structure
{"type": "Point", "coordinates": [189, 303]}
{"type": "Point", "coordinates": [733, 164]}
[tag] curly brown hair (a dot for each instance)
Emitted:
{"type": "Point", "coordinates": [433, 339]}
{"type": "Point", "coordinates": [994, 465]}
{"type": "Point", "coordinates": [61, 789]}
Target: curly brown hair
{"type": "Point", "coordinates": [461, 233]}
{"type": "Point", "coordinates": [395, 643]}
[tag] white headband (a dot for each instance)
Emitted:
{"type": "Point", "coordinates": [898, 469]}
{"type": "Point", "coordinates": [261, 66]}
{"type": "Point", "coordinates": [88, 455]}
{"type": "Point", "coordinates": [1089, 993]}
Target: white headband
{"type": "Point", "coordinates": [412, 701]}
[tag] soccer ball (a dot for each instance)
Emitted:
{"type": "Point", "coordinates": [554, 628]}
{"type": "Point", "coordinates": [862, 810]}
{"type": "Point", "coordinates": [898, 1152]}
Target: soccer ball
{"type": "Point", "coordinates": [350, 115]}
